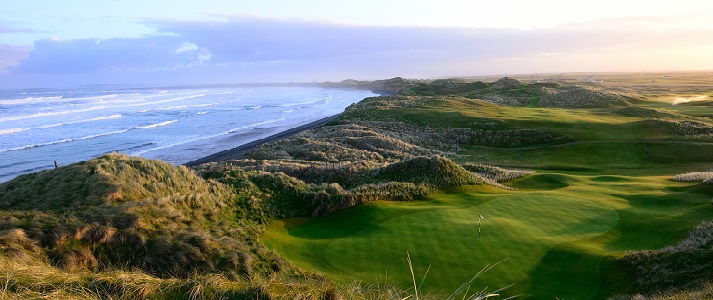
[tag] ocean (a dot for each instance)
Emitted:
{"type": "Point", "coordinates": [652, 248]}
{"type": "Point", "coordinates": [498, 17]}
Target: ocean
{"type": "Point", "coordinates": [178, 125]}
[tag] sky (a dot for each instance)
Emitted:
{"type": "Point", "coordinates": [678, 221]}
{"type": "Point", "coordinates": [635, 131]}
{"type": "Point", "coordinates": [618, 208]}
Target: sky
{"type": "Point", "coordinates": [48, 43]}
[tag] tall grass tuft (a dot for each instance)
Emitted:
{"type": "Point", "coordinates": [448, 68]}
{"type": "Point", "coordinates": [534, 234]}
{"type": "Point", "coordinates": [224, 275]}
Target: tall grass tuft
{"type": "Point", "coordinates": [463, 291]}
{"type": "Point", "coordinates": [706, 177]}
{"type": "Point", "coordinates": [684, 266]}
{"type": "Point", "coordinates": [121, 212]}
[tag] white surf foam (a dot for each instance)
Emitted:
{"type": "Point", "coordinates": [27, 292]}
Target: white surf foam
{"type": "Point", "coordinates": [64, 141]}
{"type": "Point", "coordinates": [158, 124]}
{"type": "Point", "coordinates": [12, 130]}
{"type": "Point", "coordinates": [231, 131]}
{"type": "Point", "coordinates": [82, 121]}
{"type": "Point", "coordinates": [51, 114]}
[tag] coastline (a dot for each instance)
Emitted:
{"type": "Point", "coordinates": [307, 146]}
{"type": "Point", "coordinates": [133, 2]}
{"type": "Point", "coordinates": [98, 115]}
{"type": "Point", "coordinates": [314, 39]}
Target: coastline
{"type": "Point", "coordinates": [239, 151]}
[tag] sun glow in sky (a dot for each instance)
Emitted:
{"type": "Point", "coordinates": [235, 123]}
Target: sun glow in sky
{"type": "Point", "coordinates": [81, 42]}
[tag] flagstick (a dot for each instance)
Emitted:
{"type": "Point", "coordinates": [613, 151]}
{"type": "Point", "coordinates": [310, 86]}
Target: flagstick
{"type": "Point", "coordinates": [480, 217]}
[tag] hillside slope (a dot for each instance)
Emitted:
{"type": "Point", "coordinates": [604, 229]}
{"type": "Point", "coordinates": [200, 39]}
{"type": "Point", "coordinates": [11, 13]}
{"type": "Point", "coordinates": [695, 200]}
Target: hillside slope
{"type": "Point", "coordinates": [159, 224]}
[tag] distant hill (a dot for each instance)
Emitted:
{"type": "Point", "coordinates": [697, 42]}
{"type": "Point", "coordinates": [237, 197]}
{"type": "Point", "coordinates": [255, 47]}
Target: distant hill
{"type": "Point", "coordinates": [386, 86]}
{"type": "Point", "coordinates": [512, 92]}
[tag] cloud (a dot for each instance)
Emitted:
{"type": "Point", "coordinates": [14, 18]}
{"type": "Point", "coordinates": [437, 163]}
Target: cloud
{"type": "Point", "coordinates": [241, 39]}
{"type": "Point", "coordinates": [259, 49]}
{"type": "Point", "coordinates": [55, 56]}
{"type": "Point", "coordinates": [10, 55]}
{"type": "Point", "coordinates": [4, 28]}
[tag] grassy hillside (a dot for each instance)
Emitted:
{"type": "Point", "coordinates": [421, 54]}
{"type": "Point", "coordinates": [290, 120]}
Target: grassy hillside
{"type": "Point", "coordinates": [574, 183]}
{"type": "Point", "coordinates": [601, 189]}
{"type": "Point", "coordinates": [126, 227]}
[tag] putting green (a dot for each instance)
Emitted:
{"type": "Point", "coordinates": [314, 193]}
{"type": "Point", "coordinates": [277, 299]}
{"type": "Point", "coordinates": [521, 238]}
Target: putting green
{"type": "Point", "coordinates": [558, 243]}
{"type": "Point", "coordinates": [520, 228]}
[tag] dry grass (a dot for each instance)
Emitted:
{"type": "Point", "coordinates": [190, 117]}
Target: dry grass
{"type": "Point", "coordinates": [684, 266]}
{"type": "Point", "coordinates": [706, 177]}
{"type": "Point", "coordinates": [37, 280]}
{"type": "Point", "coordinates": [120, 212]}
{"type": "Point", "coordinates": [495, 173]}
{"type": "Point", "coordinates": [705, 292]}
{"type": "Point", "coordinates": [582, 96]}
{"type": "Point", "coordinates": [699, 239]}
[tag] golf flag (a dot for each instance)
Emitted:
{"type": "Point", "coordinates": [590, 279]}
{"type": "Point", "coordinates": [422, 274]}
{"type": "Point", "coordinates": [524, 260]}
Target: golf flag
{"type": "Point", "coordinates": [480, 217]}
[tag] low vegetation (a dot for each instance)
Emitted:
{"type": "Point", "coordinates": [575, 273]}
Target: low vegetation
{"type": "Point", "coordinates": [705, 177]}
{"type": "Point", "coordinates": [684, 266]}
{"type": "Point", "coordinates": [512, 92]}
{"type": "Point", "coordinates": [340, 202]}
{"type": "Point", "coordinates": [126, 226]}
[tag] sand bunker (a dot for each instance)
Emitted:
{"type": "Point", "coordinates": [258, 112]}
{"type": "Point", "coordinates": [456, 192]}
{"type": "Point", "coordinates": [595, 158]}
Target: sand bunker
{"type": "Point", "coordinates": [681, 100]}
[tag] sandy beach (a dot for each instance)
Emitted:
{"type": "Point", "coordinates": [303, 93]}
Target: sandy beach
{"type": "Point", "coordinates": [238, 152]}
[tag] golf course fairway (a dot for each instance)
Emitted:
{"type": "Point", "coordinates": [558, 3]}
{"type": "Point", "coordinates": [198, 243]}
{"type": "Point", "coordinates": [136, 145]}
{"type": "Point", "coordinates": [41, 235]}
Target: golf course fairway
{"type": "Point", "coordinates": [559, 234]}
{"type": "Point", "coordinates": [554, 242]}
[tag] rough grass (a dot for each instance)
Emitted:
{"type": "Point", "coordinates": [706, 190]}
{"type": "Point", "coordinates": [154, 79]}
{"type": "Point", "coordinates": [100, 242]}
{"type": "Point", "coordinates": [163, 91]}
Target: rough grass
{"type": "Point", "coordinates": [705, 177]}
{"type": "Point", "coordinates": [280, 195]}
{"type": "Point", "coordinates": [25, 279]}
{"type": "Point", "coordinates": [512, 92]}
{"type": "Point", "coordinates": [119, 213]}
{"type": "Point", "coordinates": [496, 173]}
{"type": "Point", "coordinates": [706, 292]}
{"type": "Point", "coordinates": [685, 265]}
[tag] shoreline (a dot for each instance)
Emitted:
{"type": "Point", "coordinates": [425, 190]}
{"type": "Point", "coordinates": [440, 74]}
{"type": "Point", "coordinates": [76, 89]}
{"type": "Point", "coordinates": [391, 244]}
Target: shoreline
{"type": "Point", "coordinates": [239, 151]}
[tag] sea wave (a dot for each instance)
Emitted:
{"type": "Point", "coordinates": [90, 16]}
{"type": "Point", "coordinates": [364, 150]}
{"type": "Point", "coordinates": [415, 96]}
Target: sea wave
{"type": "Point", "coordinates": [29, 100]}
{"type": "Point", "coordinates": [64, 141]}
{"type": "Point", "coordinates": [157, 124]}
{"type": "Point", "coordinates": [61, 99]}
{"type": "Point", "coordinates": [164, 101]}
{"type": "Point", "coordinates": [207, 104]}
{"type": "Point", "coordinates": [16, 163]}
{"type": "Point", "coordinates": [323, 100]}
{"type": "Point", "coordinates": [12, 130]}
{"type": "Point", "coordinates": [81, 121]}
{"type": "Point", "coordinates": [74, 111]}
{"type": "Point", "coordinates": [51, 114]}
{"type": "Point", "coordinates": [171, 108]}
{"type": "Point", "coordinates": [231, 131]}
{"type": "Point", "coordinates": [234, 130]}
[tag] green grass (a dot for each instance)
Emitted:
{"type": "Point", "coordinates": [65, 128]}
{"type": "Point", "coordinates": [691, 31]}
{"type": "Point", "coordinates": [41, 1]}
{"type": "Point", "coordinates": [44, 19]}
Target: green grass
{"type": "Point", "coordinates": [126, 228]}
{"type": "Point", "coordinates": [562, 232]}
{"type": "Point", "coordinates": [534, 101]}
{"type": "Point", "coordinates": [557, 242]}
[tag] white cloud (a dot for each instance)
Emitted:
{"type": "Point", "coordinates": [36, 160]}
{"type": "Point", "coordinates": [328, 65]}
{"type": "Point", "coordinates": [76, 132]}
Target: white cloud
{"type": "Point", "coordinates": [11, 55]}
{"type": "Point", "coordinates": [260, 49]}
{"type": "Point", "coordinates": [55, 56]}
